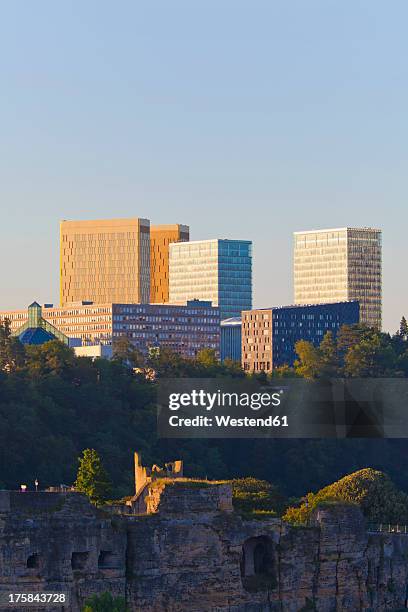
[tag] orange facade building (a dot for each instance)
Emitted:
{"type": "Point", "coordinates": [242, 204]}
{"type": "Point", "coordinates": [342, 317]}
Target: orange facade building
{"type": "Point", "coordinates": [160, 238]}
{"type": "Point", "coordinates": [105, 261]}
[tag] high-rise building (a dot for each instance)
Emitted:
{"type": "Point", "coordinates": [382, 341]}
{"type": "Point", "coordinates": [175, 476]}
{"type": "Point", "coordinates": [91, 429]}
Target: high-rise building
{"type": "Point", "coordinates": [105, 261]}
{"type": "Point", "coordinates": [216, 270]}
{"type": "Point", "coordinates": [160, 238]}
{"type": "Point", "coordinates": [269, 335]}
{"type": "Point", "coordinates": [340, 264]}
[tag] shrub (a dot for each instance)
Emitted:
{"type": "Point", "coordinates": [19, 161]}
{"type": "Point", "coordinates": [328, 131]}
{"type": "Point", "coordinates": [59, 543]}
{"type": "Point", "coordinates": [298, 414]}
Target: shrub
{"type": "Point", "coordinates": [373, 491]}
{"type": "Point", "coordinates": [253, 496]}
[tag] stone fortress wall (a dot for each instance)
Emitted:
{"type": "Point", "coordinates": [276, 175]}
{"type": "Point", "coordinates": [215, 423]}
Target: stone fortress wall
{"type": "Point", "coordinates": [194, 553]}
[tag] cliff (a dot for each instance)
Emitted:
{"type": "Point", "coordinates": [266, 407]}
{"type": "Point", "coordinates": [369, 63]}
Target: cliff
{"type": "Point", "coordinates": [193, 553]}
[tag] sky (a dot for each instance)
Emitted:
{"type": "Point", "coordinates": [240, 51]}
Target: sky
{"type": "Point", "coordinates": [246, 120]}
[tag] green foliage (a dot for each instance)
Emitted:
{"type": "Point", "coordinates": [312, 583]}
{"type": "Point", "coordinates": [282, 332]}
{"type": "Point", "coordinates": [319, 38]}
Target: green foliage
{"type": "Point", "coordinates": [372, 490]}
{"type": "Point", "coordinates": [105, 603]}
{"type": "Point", "coordinates": [12, 353]}
{"type": "Point", "coordinates": [403, 330]}
{"type": "Point", "coordinates": [310, 362]}
{"type": "Point", "coordinates": [358, 352]}
{"type": "Point", "coordinates": [125, 353]}
{"type": "Point", "coordinates": [253, 496]}
{"type": "Point", "coordinates": [53, 405]}
{"type": "Point", "coordinates": [92, 478]}
{"type": "Point", "coordinates": [50, 359]}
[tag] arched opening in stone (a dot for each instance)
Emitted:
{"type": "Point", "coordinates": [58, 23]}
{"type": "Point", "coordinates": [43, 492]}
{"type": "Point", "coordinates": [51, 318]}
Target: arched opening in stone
{"type": "Point", "coordinates": [33, 561]}
{"type": "Point", "coordinates": [107, 559]}
{"type": "Point", "coordinates": [258, 564]}
{"type": "Point", "coordinates": [79, 560]}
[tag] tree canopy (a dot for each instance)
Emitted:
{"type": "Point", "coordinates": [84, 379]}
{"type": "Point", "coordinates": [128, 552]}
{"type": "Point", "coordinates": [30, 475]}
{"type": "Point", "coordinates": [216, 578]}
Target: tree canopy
{"type": "Point", "coordinates": [54, 404]}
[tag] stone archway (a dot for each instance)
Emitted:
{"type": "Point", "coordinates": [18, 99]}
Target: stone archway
{"type": "Point", "coordinates": [258, 572]}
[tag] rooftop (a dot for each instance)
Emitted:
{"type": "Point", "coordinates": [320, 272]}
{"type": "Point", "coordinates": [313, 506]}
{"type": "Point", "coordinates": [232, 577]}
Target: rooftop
{"type": "Point", "coordinates": [338, 229]}
{"type": "Point", "coordinates": [184, 244]}
{"type": "Point", "coordinates": [232, 322]}
{"type": "Point", "coordinates": [303, 305]}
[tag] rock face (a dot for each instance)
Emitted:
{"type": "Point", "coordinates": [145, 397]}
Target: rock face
{"type": "Point", "coordinates": [195, 554]}
{"type": "Point", "coordinates": [54, 543]}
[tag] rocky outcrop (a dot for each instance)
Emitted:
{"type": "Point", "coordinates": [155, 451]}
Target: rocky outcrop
{"type": "Point", "coordinates": [58, 543]}
{"type": "Point", "coordinates": [195, 554]}
{"type": "Point", "coordinates": [189, 559]}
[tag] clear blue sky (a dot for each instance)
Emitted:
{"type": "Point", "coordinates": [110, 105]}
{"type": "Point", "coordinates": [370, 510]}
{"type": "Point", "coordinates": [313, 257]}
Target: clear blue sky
{"type": "Point", "coordinates": [241, 119]}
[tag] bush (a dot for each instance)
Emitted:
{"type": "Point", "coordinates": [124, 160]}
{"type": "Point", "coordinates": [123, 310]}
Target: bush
{"type": "Point", "coordinates": [105, 603]}
{"type": "Point", "coordinates": [373, 491]}
{"type": "Point", "coordinates": [253, 496]}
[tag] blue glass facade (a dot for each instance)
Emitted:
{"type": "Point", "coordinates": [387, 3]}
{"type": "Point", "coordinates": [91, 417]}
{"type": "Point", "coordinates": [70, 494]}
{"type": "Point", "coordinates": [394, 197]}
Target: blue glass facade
{"type": "Point", "coordinates": [231, 339]}
{"type": "Point", "coordinates": [234, 277]}
{"type": "Point", "coordinates": [294, 323]}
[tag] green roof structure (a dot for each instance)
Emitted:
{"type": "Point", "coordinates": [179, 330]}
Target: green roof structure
{"type": "Point", "coordinates": [37, 330]}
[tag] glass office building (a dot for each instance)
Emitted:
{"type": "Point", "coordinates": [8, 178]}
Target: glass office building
{"type": "Point", "coordinates": [269, 335]}
{"type": "Point", "coordinates": [340, 264]}
{"type": "Point", "coordinates": [231, 342]}
{"type": "Point", "coordinates": [216, 270]}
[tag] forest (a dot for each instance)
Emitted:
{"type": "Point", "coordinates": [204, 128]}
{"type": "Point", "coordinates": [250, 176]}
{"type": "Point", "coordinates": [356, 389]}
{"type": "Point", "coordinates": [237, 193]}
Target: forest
{"type": "Point", "coordinates": [53, 405]}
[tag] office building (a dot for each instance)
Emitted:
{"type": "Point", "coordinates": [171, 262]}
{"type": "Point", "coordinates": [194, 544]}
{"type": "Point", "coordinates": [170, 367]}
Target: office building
{"type": "Point", "coordinates": [105, 261]}
{"type": "Point", "coordinates": [216, 270]}
{"type": "Point", "coordinates": [160, 238]}
{"type": "Point", "coordinates": [231, 341]}
{"type": "Point", "coordinates": [269, 335]}
{"type": "Point", "coordinates": [340, 264]}
{"type": "Point", "coordinates": [183, 329]}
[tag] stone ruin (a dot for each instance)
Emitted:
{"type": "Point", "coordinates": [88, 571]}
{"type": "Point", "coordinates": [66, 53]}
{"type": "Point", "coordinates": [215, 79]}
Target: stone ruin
{"type": "Point", "coordinates": [144, 477]}
{"type": "Point", "coordinates": [191, 552]}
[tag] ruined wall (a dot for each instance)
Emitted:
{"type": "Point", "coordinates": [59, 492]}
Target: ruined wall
{"type": "Point", "coordinates": [195, 554]}
{"type": "Point", "coordinates": [51, 542]}
{"type": "Point", "coordinates": [188, 558]}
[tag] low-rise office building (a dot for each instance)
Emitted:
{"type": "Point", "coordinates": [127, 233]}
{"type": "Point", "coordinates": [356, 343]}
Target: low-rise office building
{"type": "Point", "coordinates": [231, 339]}
{"type": "Point", "coordinates": [183, 329]}
{"type": "Point", "coordinates": [269, 335]}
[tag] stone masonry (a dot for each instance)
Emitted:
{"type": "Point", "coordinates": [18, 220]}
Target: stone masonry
{"type": "Point", "coordinates": [193, 553]}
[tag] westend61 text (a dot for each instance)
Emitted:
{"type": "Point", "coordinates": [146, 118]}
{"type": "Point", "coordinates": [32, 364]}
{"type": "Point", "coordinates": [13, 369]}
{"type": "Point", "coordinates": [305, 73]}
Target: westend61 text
{"type": "Point", "coordinates": [228, 421]}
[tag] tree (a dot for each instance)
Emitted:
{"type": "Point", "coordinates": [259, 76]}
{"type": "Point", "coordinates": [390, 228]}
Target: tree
{"type": "Point", "coordinates": [105, 603]}
{"type": "Point", "coordinates": [92, 478]}
{"type": "Point", "coordinates": [207, 358]}
{"type": "Point", "coordinates": [329, 356]}
{"type": "Point", "coordinates": [12, 353]}
{"type": "Point", "coordinates": [51, 358]}
{"type": "Point", "coordinates": [372, 357]}
{"type": "Point", "coordinates": [348, 336]}
{"type": "Point", "coordinates": [310, 362]}
{"type": "Point", "coordinates": [126, 353]}
{"type": "Point", "coordinates": [403, 329]}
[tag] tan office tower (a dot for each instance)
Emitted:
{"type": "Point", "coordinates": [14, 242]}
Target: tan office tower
{"type": "Point", "coordinates": [335, 265]}
{"type": "Point", "coordinates": [105, 261]}
{"type": "Point", "coordinates": [160, 238]}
